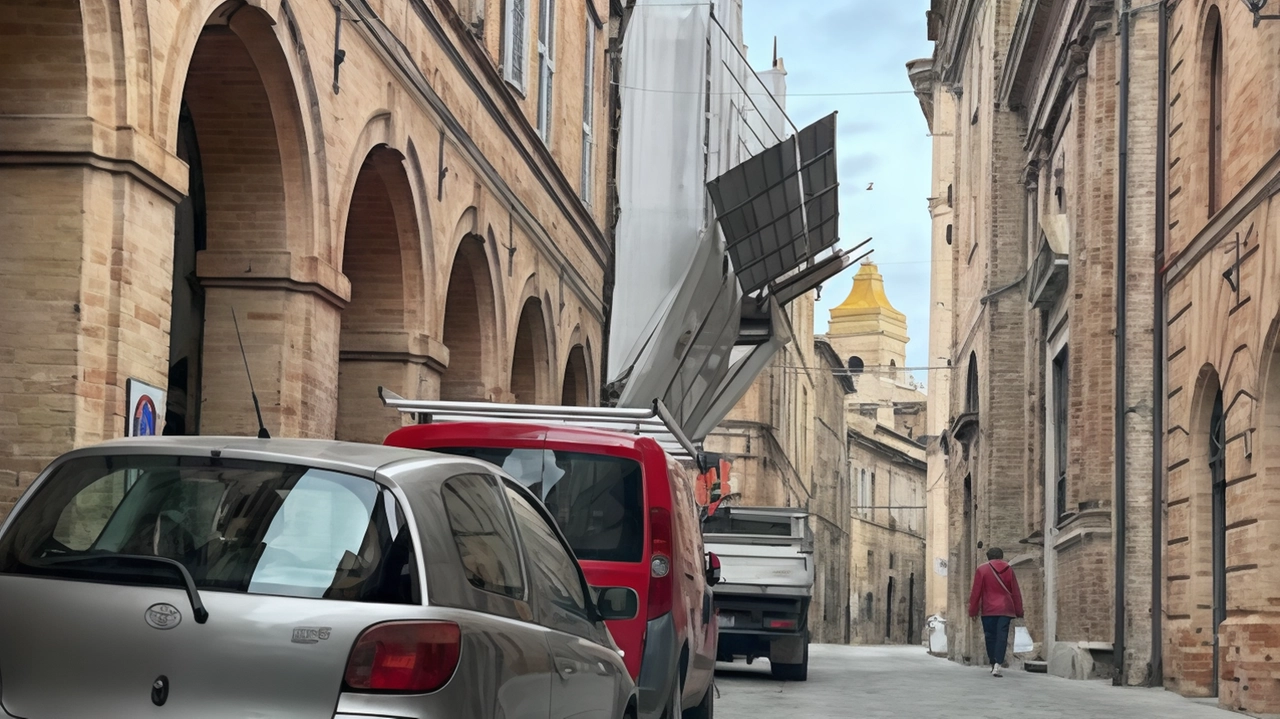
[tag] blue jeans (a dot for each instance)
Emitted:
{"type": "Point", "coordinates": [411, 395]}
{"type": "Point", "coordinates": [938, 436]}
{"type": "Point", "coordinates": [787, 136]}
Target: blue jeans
{"type": "Point", "coordinates": [997, 631]}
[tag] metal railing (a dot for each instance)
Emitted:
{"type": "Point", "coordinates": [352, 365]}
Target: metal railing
{"type": "Point", "coordinates": [655, 423]}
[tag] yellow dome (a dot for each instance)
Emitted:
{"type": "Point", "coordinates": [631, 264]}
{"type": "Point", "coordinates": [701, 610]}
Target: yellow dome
{"type": "Point", "coordinates": [867, 294]}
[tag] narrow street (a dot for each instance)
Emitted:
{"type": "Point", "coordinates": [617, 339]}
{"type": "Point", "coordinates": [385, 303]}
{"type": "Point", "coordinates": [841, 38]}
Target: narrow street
{"type": "Point", "coordinates": [905, 682]}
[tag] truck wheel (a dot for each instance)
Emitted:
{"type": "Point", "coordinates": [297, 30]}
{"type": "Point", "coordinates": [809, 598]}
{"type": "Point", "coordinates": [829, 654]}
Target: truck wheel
{"type": "Point", "coordinates": [706, 708]}
{"type": "Point", "coordinates": [792, 672]}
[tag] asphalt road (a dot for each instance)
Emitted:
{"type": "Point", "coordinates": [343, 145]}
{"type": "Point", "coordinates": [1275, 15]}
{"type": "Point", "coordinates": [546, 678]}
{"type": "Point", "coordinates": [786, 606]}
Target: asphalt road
{"type": "Point", "coordinates": [871, 682]}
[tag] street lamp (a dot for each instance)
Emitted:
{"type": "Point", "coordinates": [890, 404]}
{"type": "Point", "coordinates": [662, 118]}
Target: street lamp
{"type": "Point", "coordinates": [1256, 7]}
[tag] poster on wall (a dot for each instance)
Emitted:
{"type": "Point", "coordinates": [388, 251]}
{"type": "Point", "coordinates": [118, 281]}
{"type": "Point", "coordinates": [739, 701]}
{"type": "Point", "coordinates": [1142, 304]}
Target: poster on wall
{"type": "Point", "coordinates": [145, 409]}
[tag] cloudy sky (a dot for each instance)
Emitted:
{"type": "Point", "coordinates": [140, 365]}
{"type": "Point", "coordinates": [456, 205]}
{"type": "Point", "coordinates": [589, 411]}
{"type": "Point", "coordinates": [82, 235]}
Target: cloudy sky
{"type": "Point", "coordinates": [857, 46]}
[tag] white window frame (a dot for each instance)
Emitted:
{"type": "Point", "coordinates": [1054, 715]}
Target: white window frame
{"type": "Point", "coordinates": [588, 113]}
{"type": "Point", "coordinates": [546, 66]}
{"type": "Point", "coordinates": [515, 68]}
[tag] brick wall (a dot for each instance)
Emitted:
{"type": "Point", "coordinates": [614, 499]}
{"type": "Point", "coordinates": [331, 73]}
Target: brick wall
{"type": "Point", "coordinates": [54, 32]}
{"type": "Point", "coordinates": [281, 153]}
{"type": "Point", "coordinates": [1221, 338]}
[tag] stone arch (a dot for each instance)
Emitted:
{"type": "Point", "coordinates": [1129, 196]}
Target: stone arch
{"type": "Point", "coordinates": [577, 381]}
{"type": "Point", "coordinates": [1198, 491]}
{"type": "Point", "coordinates": [531, 381]}
{"type": "Point", "coordinates": [471, 326]}
{"type": "Point", "coordinates": [239, 126]}
{"type": "Point", "coordinates": [382, 259]}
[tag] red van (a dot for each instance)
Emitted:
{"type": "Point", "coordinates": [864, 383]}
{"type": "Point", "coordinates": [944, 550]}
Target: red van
{"type": "Point", "coordinates": [629, 511]}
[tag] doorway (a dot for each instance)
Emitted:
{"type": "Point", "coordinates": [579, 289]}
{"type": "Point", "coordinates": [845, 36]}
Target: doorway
{"type": "Point", "coordinates": [186, 323]}
{"type": "Point", "coordinates": [888, 612]}
{"type": "Point", "coordinates": [911, 608]}
{"type": "Point", "coordinates": [1218, 476]}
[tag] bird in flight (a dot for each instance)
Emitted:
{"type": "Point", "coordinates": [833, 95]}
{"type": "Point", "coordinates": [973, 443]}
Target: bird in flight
{"type": "Point", "coordinates": [871, 186]}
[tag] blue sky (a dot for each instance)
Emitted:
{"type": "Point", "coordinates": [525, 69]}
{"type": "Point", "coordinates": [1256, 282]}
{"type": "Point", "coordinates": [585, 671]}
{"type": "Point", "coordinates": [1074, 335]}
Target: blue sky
{"type": "Point", "coordinates": [849, 46]}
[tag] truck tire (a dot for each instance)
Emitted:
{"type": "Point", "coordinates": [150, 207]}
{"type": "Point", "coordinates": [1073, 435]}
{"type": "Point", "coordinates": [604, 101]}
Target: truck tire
{"type": "Point", "coordinates": [792, 672]}
{"type": "Point", "coordinates": [706, 708]}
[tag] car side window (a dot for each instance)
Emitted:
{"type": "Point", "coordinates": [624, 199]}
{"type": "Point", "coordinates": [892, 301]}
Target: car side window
{"type": "Point", "coordinates": [484, 535]}
{"type": "Point", "coordinates": [554, 573]}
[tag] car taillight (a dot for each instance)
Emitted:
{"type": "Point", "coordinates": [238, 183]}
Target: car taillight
{"type": "Point", "coordinates": [415, 657]}
{"type": "Point", "coordinates": [781, 623]}
{"type": "Point", "coordinates": [660, 569]}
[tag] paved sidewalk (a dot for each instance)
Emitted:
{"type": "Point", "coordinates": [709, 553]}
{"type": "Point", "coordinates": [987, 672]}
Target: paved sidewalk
{"type": "Point", "coordinates": [872, 682]}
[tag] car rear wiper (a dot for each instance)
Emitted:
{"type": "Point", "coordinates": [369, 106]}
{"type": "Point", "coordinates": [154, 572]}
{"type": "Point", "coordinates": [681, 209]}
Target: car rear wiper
{"type": "Point", "coordinates": [193, 594]}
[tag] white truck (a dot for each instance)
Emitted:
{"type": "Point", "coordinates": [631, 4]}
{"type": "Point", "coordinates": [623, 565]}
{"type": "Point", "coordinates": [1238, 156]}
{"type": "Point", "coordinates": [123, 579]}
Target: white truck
{"type": "Point", "coordinates": [766, 584]}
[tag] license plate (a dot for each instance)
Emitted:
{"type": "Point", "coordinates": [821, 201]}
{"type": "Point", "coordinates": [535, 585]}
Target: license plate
{"type": "Point", "coordinates": [725, 621]}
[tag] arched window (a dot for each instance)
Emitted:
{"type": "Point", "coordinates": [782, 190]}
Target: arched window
{"type": "Point", "coordinates": [856, 365]}
{"type": "Point", "coordinates": [971, 385]}
{"type": "Point", "coordinates": [1216, 106]}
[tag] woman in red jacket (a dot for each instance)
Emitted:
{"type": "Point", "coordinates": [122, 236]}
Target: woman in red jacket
{"type": "Point", "coordinates": [997, 599]}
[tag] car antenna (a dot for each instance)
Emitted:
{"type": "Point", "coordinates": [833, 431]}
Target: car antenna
{"type": "Point", "coordinates": [262, 427]}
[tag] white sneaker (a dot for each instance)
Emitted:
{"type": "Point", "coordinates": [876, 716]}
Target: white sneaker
{"type": "Point", "coordinates": [995, 671]}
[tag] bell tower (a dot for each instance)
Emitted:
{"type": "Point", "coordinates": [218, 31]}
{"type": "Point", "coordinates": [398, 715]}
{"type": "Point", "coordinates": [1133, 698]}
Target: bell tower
{"type": "Point", "coordinates": [865, 329]}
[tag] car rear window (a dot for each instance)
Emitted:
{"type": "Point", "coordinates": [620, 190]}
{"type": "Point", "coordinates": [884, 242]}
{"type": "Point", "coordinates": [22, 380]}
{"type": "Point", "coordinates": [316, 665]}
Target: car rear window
{"type": "Point", "coordinates": [597, 500]}
{"type": "Point", "coordinates": [250, 527]}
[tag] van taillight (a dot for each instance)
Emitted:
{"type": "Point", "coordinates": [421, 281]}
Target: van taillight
{"type": "Point", "coordinates": [415, 657]}
{"type": "Point", "coordinates": [660, 569]}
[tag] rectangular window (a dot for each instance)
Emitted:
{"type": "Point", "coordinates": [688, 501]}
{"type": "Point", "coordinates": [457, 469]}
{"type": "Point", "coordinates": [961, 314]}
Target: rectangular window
{"type": "Point", "coordinates": [597, 500]}
{"type": "Point", "coordinates": [483, 534]}
{"type": "Point", "coordinates": [1061, 396]}
{"type": "Point", "coordinates": [515, 42]}
{"type": "Point", "coordinates": [588, 110]}
{"type": "Point", "coordinates": [546, 66]}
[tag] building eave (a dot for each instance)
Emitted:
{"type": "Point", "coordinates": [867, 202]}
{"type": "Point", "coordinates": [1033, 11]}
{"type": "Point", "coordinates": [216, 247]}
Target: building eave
{"type": "Point", "coordinates": [923, 81]}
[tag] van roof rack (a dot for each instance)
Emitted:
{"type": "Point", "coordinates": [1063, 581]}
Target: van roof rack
{"type": "Point", "coordinates": [655, 422]}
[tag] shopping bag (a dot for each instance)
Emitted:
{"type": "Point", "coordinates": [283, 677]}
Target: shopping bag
{"type": "Point", "coordinates": [1022, 642]}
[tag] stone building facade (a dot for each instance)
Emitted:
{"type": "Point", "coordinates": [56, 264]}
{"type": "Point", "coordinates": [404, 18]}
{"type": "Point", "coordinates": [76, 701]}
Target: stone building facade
{"type": "Point", "coordinates": [938, 106]}
{"type": "Point", "coordinates": [884, 416]}
{"type": "Point", "coordinates": [1051, 222]}
{"type": "Point", "coordinates": [785, 442]}
{"type": "Point", "coordinates": [1220, 575]}
{"type": "Point", "coordinates": [888, 569]}
{"type": "Point", "coordinates": [424, 209]}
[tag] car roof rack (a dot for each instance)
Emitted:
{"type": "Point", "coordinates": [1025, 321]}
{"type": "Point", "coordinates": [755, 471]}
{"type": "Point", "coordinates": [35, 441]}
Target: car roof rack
{"type": "Point", "coordinates": [655, 423]}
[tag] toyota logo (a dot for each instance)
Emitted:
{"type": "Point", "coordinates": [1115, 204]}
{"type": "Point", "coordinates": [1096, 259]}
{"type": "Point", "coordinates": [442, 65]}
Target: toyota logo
{"type": "Point", "coordinates": [163, 616]}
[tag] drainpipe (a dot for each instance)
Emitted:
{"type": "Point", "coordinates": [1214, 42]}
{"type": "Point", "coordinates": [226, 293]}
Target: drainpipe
{"type": "Point", "coordinates": [1156, 675]}
{"type": "Point", "coordinates": [1122, 217]}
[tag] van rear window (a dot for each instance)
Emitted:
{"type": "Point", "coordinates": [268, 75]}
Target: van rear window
{"type": "Point", "coordinates": [597, 500]}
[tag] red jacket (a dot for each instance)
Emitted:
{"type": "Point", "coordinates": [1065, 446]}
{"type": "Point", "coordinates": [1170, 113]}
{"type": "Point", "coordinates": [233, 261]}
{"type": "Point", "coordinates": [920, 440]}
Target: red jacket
{"type": "Point", "coordinates": [989, 598]}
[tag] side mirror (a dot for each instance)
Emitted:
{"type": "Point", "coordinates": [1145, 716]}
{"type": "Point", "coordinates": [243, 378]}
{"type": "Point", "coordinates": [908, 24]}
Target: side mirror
{"type": "Point", "coordinates": [713, 569]}
{"type": "Point", "coordinates": [617, 603]}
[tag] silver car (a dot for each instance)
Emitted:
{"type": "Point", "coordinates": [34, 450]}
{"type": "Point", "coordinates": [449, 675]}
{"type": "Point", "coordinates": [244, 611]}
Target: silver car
{"type": "Point", "coordinates": [230, 578]}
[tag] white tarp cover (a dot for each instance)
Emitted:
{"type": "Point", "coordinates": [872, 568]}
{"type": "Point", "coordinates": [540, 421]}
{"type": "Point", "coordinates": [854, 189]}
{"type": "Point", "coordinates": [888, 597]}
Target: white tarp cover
{"type": "Point", "coordinates": [687, 353]}
{"type": "Point", "coordinates": [660, 168]}
{"type": "Point", "coordinates": [678, 302]}
{"type": "Point", "coordinates": [747, 364]}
